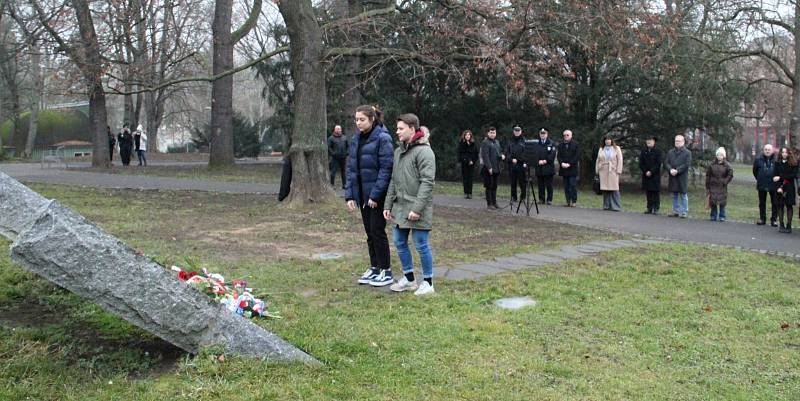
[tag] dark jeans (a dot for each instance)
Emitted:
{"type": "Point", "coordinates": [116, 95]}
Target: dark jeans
{"type": "Point", "coordinates": [762, 205]}
{"type": "Point", "coordinates": [517, 180]}
{"type": "Point", "coordinates": [571, 189]}
{"type": "Point", "coordinates": [142, 158]}
{"type": "Point", "coordinates": [653, 200]}
{"type": "Point", "coordinates": [337, 162]}
{"type": "Point", "coordinates": [467, 172]}
{"type": "Point", "coordinates": [377, 241]}
{"type": "Point", "coordinates": [490, 183]}
{"type": "Point", "coordinates": [545, 183]}
{"type": "Point", "coordinates": [125, 156]}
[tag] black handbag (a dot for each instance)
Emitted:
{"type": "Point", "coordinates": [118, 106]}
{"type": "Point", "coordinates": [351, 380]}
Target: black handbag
{"type": "Point", "coordinates": [596, 185]}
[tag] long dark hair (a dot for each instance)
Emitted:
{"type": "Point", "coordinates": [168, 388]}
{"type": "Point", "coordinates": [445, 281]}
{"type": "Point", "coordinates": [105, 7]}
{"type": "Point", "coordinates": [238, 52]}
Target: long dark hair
{"type": "Point", "coordinates": [372, 112]}
{"type": "Point", "coordinates": [464, 136]}
{"type": "Point", "coordinates": [603, 144]}
{"type": "Point", "coordinates": [791, 158]}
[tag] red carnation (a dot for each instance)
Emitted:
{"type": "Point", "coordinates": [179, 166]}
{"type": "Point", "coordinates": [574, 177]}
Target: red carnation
{"type": "Point", "coordinates": [182, 275]}
{"type": "Point", "coordinates": [192, 274]}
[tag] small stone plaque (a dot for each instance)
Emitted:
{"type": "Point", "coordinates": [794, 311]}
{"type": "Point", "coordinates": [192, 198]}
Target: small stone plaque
{"type": "Point", "coordinates": [515, 303]}
{"type": "Point", "coordinates": [328, 256]}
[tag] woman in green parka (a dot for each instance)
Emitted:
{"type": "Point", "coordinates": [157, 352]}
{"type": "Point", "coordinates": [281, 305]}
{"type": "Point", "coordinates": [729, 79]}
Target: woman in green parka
{"type": "Point", "coordinates": [409, 202]}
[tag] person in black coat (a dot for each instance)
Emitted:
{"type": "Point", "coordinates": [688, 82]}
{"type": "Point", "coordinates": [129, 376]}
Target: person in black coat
{"type": "Point", "coordinates": [125, 140]}
{"type": "Point", "coordinates": [111, 143]}
{"type": "Point", "coordinates": [764, 173]}
{"type": "Point", "coordinates": [650, 165]}
{"type": "Point", "coordinates": [569, 157]}
{"type": "Point", "coordinates": [468, 157]}
{"type": "Point", "coordinates": [490, 157]}
{"type": "Point", "coordinates": [545, 167]}
{"type": "Point", "coordinates": [516, 165]}
{"type": "Point", "coordinates": [785, 173]}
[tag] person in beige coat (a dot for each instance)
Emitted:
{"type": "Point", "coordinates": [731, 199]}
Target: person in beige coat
{"type": "Point", "coordinates": [609, 167]}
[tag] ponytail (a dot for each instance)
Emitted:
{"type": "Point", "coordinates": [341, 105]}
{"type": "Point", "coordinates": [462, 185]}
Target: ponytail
{"type": "Point", "coordinates": [372, 112]}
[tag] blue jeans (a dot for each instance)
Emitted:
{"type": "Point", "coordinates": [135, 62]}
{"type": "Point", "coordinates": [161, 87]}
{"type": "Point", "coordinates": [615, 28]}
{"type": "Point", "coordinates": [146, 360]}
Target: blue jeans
{"type": "Point", "coordinates": [420, 238]}
{"type": "Point", "coordinates": [571, 189]}
{"type": "Point", "coordinates": [684, 198]}
{"type": "Point", "coordinates": [714, 211]}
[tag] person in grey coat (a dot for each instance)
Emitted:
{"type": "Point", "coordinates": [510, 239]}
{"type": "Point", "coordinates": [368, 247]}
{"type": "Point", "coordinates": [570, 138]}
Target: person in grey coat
{"type": "Point", "coordinates": [490, 158]}
{"type": "Point", "coordinates": [679, 159]}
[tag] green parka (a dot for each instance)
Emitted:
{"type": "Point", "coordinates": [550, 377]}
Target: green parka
{"type": "Point", "coordinates": [411, 188]}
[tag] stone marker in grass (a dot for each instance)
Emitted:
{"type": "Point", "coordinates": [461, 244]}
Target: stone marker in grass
{"type": "Point", "coordinates": [58, 244]}
{"type": "Point", "coordinates": [515, 303]}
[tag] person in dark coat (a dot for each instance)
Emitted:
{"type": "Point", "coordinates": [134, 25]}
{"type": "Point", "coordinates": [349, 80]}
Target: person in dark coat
{"type": "Point", "coordinates": [111, 143]}
{"type": "Point", "coordinates": [516, 165]}
{"type": "Point", "coordinates": [718, 175]}
{"type": "Point", "coordinates": [650, 165]}
{"type": "Point", "coordinates": [569, 157]}
{"type": "Point", "coordinates": [467, 157]}
{"type": "Point", "coordinates": [763, 171]}
{"type": "Point", "coordinates": [545, 166]}
{"type": "Point", "coordinates": [679, 160]}
{"type": "Point", "coordinates": [369, 169]}
{"type": "Point", "coordinates": [490, 158]}
{"type": "Point", "coordinates": [785, 173]}
{"type": "Point", "coordinates": [125, 141]}
{"type": "Point", "coordinates": [337, 153]}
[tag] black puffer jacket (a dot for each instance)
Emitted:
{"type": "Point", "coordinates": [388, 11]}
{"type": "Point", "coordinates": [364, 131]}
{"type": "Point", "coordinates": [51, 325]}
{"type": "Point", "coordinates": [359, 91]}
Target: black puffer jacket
{"type": "Point", "coordinates": [515, 150]}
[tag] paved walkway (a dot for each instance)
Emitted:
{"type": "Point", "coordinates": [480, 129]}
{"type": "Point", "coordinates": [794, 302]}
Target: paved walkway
{"type": "Point", "coordinates": [763, 239]}
{"type": "Point", "coordinates": [523, 261]}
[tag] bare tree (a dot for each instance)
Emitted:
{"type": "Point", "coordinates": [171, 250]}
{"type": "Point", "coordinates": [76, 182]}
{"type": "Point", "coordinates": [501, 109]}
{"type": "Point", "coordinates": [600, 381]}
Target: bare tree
{"type": "Point", "coordinates": [85, 53]}
{"type": "Point", "coordinates": [758, 30]}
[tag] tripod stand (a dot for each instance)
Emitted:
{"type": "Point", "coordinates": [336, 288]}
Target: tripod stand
{"type": "Point", "coordinates": [528, 190]}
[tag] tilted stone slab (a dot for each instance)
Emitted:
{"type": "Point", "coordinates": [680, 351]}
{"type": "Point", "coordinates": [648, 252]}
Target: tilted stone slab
{"type": "Point", "coordinates": [65, 248]}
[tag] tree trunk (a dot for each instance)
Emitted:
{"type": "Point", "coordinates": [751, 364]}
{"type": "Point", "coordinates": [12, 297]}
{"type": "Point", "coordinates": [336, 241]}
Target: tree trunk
{"type": "Point", "coordinates": [154, 113]}
{"type": "Point", "coordinates": [308, 152]}
{"type": "Point", "coordinates": [92, 68]}
{"type": "Point", "coordinates": [794, 122]}
{"type": "Point", "coordinates": [36, 98]}
{"type": "Point", "coordinates": [222, 89]}
{"type": "Point", "coordinates": [137, 111]}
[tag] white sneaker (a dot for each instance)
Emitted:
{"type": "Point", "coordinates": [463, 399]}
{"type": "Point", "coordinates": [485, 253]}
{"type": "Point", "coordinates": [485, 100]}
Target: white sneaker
{"type": "Point", "coordinates": [404, 285]}
{"type": "Point", "coordinates": [424, 289]}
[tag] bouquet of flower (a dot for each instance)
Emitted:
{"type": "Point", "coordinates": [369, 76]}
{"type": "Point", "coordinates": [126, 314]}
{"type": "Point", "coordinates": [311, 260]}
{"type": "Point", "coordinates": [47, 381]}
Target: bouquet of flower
{"type": "Point", "coordinates": [237, 299]}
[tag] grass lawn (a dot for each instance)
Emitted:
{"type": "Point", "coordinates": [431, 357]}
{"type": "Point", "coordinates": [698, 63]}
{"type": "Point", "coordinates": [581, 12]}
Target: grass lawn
{"type": "Point", "coordinates": [652, 323]}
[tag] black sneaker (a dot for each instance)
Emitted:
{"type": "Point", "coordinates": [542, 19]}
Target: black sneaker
{"type": "Point", "coordinates": [760, 223]}
{"type": "Point", "coordinates": [773, 224]}
{"type": "Point", "coordinates": [383, 279]}
{"type": "Point", "coordinates": [368, 276]}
